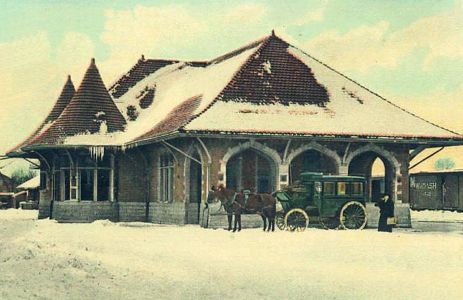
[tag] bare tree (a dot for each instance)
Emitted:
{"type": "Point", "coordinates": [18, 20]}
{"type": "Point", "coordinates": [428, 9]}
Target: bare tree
{"type": "Point", "coordinates": [22, 175]}
{"type": "Point", "coordinates": [444, 163]}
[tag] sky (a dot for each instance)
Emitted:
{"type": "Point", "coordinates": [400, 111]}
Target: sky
{"type": "Point", "coordinates": [410, 52]}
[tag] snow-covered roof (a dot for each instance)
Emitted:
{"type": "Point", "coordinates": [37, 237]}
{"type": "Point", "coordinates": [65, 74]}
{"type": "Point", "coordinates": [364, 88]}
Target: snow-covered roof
{"type": "Point", "coordinates": [349, 110]}
{"type": "Point", "coordinates": [32, 183]}
{"type": "Point", "coordinates": [438, 171]}
{"type": "Point", "coordinates": [179, 92]}
{"type": "Point", "coordinates": [266, 87]}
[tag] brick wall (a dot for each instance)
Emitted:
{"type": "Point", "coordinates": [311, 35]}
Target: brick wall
{"type": "Point", "coordinates": [131, 177]}
{"type": "Point", "coordinates": [403, 181]}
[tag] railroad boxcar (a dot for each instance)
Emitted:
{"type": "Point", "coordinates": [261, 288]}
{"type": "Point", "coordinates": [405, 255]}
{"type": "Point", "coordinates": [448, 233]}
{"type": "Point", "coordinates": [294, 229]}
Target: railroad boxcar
{"type": "Point", "coordinates": [439, 190]}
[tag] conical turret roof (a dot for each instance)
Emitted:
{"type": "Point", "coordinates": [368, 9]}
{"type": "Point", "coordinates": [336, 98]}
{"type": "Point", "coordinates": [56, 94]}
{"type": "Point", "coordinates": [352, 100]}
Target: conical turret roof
{"type": "Point", "coordinates": [90, 109]}
{"type": "Point", "coordinates": [64, 98]}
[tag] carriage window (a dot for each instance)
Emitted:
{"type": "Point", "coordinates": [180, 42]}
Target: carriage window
{"type": "Point", "coordinates": [341, 188]}
{"type": "Point", "coordinates": [328, 188]}
{"type": "Point", "coordinates": [357, 188]}
{"type": "Point", "coordinates": [166, 177]}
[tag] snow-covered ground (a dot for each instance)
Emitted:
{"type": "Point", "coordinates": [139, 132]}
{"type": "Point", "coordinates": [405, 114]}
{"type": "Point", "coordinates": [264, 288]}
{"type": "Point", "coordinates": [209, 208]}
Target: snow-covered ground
{"type": "Point", "coordinates": [46, 260]}
{"type": "Point", "coordinates": [436, 216]}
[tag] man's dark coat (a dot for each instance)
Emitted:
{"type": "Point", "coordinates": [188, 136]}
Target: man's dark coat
{"type": "Point", "coordinates": [386, 210]}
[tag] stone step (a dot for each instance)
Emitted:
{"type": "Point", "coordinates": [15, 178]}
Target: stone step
{"type": "Point", "coordinates": [401, 210]}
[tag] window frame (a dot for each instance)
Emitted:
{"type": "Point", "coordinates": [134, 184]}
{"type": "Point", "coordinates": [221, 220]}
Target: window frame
{"type": "Point", "coordinates": [362, 188]}
{"type": "Point", "coordinates": [333, 183]}
{"type": "Point", "coordinates": [338, 184]}
{"type": "Point", "coordinates": [73, 180]}
{"type": "Point", "coordinates": [166, 177]}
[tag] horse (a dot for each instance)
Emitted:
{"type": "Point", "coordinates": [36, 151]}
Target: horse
{"type": "Point", "coordinates": [240, 203]}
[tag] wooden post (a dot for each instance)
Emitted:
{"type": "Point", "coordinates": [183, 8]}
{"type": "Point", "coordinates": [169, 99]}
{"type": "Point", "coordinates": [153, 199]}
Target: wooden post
{"type": "Point", "coordinates": [111, 178]}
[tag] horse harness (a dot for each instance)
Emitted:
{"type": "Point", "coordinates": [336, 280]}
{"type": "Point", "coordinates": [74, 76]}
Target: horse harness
{"type": "Point", "coordinates": [229, 204]}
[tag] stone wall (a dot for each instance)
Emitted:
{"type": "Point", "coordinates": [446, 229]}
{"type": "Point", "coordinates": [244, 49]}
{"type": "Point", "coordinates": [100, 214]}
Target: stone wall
{"type": "Point", "coordinates": [44, 208]}
{"type": "Point", "coordinates": [132, 212]}
{"type": "Point", "coordinates": [167, 213]}
{"type": "Point", "coordinates": [193, 213]}
{"type": "Point", "coordinates": [401, 211]}
{"type": "Point", "coordinates": [84, 211]}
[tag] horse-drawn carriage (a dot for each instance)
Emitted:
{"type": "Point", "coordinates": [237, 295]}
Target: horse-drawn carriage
{"type": "Point", "coordinates": [333, 201]}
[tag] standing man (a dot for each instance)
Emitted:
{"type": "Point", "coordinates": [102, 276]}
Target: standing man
{"type": "Point", "coordinates": [386, 214]}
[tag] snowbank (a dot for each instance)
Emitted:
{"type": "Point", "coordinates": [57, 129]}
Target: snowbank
{"type": "Point", "coordinates": [436, 216]}
{"type": "Point", "coordinates": [104, 260]}
{"type": "Point", "coordinates": [17, 215]}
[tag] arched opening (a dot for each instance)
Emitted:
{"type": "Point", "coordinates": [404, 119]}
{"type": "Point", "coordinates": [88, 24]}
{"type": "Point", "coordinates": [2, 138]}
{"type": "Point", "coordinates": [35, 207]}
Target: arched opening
{"type": "Point", "coordinates": [378, 171]}
{"type": "Point", "coordinates": [195, 188]}
{"type": "Point", "coordinates": [378, 175]}
{"type": "Point", "coordinates": [251, 170]}
{"type": "Point", "coordinates": [311, 161]}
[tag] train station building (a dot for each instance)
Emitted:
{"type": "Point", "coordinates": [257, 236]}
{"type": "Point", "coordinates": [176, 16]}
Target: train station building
{"type": "Point", "coordinates": [149, 147]}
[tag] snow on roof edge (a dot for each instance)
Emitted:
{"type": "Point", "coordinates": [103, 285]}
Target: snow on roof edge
{"type": "Point", "coordinates": [31, 183]}
{"type": "Point", "coordinates": [372, 92]}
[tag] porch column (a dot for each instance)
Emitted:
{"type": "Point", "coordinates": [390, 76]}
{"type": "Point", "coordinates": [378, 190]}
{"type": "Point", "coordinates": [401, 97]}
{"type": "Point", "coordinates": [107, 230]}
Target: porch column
{"type": "Point", "coordinates": [343, 169]}
{"type": "Point", "coordinates": [283, 178]}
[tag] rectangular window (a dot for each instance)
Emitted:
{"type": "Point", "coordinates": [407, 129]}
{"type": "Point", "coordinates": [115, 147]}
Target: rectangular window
{"type": "Point", "coordinates": [67, 187]}
{"type": "Point", "coordinates": [87, 180]}
{"type": "Point", "coordinates": [56, 186]}
{"type": "Point", "coordinates": [328, 188]}
{"type": "Point", "coordinates": [166, 177]}
{"type": "Point", "coordinates": [357, 188]}
{"type": "Point", "coordinates": [86, 184]}
{"type": "Point", "coordinates": [341, 188]}
{"type": "Point", "coordinates": [103, 184]}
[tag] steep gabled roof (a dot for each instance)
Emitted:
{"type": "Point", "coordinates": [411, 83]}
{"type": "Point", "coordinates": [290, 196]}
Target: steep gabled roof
{"type": "Point", "coordinates": [139, 71]}
{"type": "Point", "coordinates": [267, 87]}
{"type": "Point", "coordinates": [91, 110]}
{"type": "Point", "coordinates": [64, 98]}
{"type": "Point", "coordinates": [285, 91]}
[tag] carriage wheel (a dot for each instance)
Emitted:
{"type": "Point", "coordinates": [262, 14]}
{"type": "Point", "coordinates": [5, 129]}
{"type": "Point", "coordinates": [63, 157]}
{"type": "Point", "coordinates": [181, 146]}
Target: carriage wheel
{"type": "Point", "coordinates": [353, 215]}
{"type": "Point", "coordinates": [330, 223]}
{"type": "Point", "coordinates": [280, 220]}
{"type": "Point", "coordinates": [296, 219]}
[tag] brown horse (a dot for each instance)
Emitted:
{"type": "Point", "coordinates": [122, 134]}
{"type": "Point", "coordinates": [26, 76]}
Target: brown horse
{"type": "Point", "coordinates": [239, 203]}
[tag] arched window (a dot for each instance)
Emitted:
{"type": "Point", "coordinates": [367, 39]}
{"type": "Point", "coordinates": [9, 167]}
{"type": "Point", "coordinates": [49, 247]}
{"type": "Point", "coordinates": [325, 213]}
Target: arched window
{"type": "Point", "coordinates": [166, 177]}
{"type": "Point", "coordinates": [311, 161]}
{"type": "Point", "coordinates": [251, 170]}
